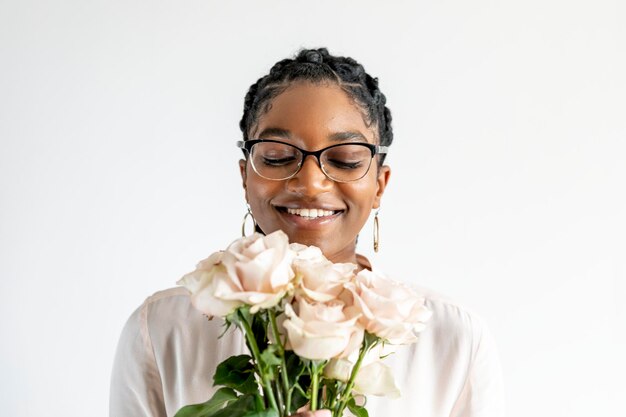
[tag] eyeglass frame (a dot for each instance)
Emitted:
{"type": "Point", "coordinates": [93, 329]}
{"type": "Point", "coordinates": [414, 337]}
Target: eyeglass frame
{"type": "Point", "coordinates": [246, 147]}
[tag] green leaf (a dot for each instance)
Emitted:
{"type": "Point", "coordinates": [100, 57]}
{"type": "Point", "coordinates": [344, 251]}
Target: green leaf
{"type": "Point", "coordinates": [223, 396]}
{"type": "Point", "coordinates": [262, 413]}
{"type": "Point", "coordinates": [259, 323]}
{"type": "Point", "coordinates": [244, 406]}
{"type": "Point", "coordinates": [237, 372]}
{"type": "Point", "coordinates": [299, 398]}
{"type": "Point", "coordinates": [357, 410]}
{"type": "Point", "coordinates": [299, 379]}
{"type": "Point", "coordinates": [295, 367]}
{"type": "Point", "coordinates": [269, 357]}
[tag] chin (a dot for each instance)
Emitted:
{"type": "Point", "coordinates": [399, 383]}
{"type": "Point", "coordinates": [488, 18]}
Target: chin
{"type": "Point", "coordinates": [306, 240]}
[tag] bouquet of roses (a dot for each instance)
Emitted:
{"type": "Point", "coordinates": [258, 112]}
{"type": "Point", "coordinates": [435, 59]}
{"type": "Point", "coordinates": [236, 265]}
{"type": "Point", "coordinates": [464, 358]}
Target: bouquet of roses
{"type": "Point", "coordinates": [315, 330]}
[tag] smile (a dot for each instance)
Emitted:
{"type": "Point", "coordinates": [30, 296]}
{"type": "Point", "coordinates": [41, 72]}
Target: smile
{"type": "Point", "coordinates": [310, 213]}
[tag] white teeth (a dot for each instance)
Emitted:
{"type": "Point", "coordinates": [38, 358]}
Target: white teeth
{"type": "Point", "coordinates": [310, 213]}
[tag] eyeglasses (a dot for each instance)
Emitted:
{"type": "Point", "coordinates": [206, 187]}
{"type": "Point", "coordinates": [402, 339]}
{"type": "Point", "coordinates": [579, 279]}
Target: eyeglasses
{"type": "Point", "coordinates": [344, 162]}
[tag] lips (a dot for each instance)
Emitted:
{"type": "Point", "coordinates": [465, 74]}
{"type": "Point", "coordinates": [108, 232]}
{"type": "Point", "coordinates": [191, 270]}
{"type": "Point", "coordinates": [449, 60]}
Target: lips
{"type": "Point", "coordinates": [311, 213]}
{"type": "Point", "coordinates": [309, 216]}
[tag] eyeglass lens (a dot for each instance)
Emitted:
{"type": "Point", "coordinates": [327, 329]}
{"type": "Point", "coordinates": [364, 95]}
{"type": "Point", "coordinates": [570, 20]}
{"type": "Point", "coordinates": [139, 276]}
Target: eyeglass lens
{"type": "Point", "coordinates": [278, 161]}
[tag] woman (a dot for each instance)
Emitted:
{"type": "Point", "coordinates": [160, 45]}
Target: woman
{"type": "Point", "coordinates": [316, 131]}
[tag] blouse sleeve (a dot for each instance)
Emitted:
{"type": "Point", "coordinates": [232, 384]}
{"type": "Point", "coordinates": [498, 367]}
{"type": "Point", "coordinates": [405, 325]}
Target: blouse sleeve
{"type": "Point", "coordinates": [482, 394]}
{"type": "Point", "coordinates": [136, 389]}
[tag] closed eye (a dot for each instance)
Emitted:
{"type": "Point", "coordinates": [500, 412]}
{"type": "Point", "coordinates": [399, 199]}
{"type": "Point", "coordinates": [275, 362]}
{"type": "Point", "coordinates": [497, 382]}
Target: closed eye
{"type": "Point", "coordinates": [278, 161]}
{"type": "Point", "coordinates": [345, 164]}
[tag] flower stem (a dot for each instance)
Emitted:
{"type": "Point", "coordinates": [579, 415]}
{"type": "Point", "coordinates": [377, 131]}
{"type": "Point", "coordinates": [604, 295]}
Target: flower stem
{"type": "Point", "coordinates": [283, 364]}
{"type": "Point", "coordinates": [315, 374]}
{"type": "Point", "coordinates": [279, 397]}
{"type": "Point", "coordinates": [316, 370]}
{"type": "Point", "coordinates": [333, 400]}
{"type": "Point", "coordinates": [267, 386]}
{"type": "Point", "coordinates": [347, 392]}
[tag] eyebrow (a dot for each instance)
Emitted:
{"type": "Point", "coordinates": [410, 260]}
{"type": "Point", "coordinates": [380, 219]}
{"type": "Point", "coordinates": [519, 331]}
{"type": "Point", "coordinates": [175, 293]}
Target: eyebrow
{"type": "Point", "coordinates": [275, 131]}
{"type": "Point", "coordinates": [349, 135]}
{"type": "Point", "coordinates": [335, 137]}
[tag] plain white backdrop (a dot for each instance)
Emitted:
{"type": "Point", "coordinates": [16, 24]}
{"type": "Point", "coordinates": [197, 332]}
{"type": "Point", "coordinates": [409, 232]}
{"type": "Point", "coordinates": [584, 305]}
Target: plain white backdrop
{"type": "Point", "coordinates": [118, 172]}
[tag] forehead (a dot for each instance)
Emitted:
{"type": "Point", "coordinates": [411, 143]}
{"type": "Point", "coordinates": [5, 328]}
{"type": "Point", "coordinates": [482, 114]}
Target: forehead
{"type": "Point", "coordinates": [314, 113]}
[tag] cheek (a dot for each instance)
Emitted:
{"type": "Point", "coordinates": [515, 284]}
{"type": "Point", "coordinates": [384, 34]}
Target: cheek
{"type": "Point", "coordinates": [260, 193]}
{"type": "Point", "coordinates": [361, 194]}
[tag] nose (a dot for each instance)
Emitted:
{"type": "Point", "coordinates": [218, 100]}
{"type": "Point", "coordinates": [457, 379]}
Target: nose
{"type": "Point", "coordinates": [310, 180]}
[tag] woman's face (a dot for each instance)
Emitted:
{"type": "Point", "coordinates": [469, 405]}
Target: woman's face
{"type": "Point", "coordinates": [312, 117]}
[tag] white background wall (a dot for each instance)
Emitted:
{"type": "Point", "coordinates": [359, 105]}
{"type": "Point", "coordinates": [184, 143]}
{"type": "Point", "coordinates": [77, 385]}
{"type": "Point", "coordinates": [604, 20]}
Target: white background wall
{"type": "Point", "coordinates": [118, 171]}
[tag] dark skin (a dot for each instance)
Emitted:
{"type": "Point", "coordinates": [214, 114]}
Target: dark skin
{"type": "Point", "coordinates": [314, 116]}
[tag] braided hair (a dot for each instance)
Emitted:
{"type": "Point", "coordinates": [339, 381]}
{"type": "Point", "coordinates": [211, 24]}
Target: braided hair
{"type": "Point", "coordinates": [318, 65]}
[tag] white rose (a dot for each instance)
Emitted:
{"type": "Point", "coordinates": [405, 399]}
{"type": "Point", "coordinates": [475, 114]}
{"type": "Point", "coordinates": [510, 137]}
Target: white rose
{"type": "Point", "coordinates": [254, 270]}
{"type": "Point", "coordinates": [208, 279]}
{"type": "Point", "coordinates": [391, 310]}
{"type": "Point", "coordinates": [373, 378]}
{"type": "Point", "coordinates": [318, 278]}
{"type": "Point", "coordinates": [321, 331]}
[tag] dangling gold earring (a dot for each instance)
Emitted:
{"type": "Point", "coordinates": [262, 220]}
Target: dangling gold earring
{"type": "Point", "coordinates": [376, 232]}
{"type": "Point", "coordinates": [245, 217]}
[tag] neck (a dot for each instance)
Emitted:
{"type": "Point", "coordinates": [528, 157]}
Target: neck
{"type": "Point", "coordinates": [349, 255]}
{"type": "Point", "coordinates": [345, 255]}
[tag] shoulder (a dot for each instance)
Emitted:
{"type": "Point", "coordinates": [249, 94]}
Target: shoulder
{"type": "Point", "coordinates": [160, 312]}
{"type": "Point", "coordinates": [450, 323]}
{"type": "Point", "coordinates": [167, 298]}
{"type": "Point", "coordinates": [449, 315]}
{"type": "Point", "coordinates": [454, 330]}
{"type": "Point", "coordinates": [167, 326]}
{"type": "Point", "coordinates": [167, 310]}
{"type": "Point", "coordinates": [171, 298]}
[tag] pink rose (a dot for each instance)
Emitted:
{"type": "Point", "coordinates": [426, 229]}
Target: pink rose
{"type": "Point", "coordinates": [321, 331]}
{"type": "Point", "coordinates": [254, 270]}
{"type": "Point", "coordinates": [391, 310]}
{"type": "Point", "coordinates": [318, 278]}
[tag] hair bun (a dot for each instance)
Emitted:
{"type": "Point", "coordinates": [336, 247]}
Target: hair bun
{"type": "Point", "coordinates": [315, 56]}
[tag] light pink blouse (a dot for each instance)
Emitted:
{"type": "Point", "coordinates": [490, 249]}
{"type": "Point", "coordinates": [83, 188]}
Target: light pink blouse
{"type": "Point", "coordinates": [168, 352]}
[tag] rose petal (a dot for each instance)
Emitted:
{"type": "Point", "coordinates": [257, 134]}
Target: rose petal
{"type": "Point", "coordinates": [376, 379]}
